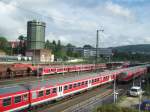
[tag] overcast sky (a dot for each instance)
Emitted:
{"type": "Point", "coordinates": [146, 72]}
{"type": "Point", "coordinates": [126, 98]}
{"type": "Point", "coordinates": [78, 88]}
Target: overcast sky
{"type": "Point", "coordinates": [124, 22]}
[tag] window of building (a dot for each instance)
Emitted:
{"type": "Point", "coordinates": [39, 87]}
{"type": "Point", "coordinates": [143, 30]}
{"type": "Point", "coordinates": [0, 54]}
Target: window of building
{"type": "Point", "coordinates": [66, 87]}
{"type": "Point", "coordinates": [47, 91]}
{"type": "Point", "coordinates": [70, 86]}
{"type": "Point", "coordinates": [40, 93]}
{"type": "Point", "coordinates": [6, 101]}
{"type": "Point", "coordinates": [54, 90]}
{"type": "Point", "coordinates": [17, 99]}
{"type": "Point", "coordinates": [25, 97]}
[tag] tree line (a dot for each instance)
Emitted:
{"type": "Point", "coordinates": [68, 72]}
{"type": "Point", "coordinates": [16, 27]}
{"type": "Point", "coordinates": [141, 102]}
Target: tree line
{"type": "Point", "coordinates": [57, 48]}
{"type": "Point", "coordinates": [60, 50]}
{"type": "Point", "coordinates": [65, 51]}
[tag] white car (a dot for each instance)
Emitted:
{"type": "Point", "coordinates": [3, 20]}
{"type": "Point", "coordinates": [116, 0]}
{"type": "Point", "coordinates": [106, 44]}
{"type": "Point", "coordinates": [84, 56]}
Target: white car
{"type": "Point", "coordinates": [135, 91]}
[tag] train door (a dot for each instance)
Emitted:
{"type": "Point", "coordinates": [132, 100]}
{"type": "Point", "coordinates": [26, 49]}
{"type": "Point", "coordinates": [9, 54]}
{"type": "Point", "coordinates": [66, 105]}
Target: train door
{"type": "Point", "coordinates": [60, 91]}
{"type": "Point", "coordinates": [90, 83]}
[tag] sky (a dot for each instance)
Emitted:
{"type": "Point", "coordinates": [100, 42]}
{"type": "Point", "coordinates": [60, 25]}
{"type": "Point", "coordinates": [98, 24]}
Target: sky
{"type": "Point", "coordinates": [125, 22]}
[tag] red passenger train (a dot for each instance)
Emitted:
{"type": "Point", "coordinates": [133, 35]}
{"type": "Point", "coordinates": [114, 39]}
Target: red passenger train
{"type": "Point", "coordinates": [70, 68]}
{"type": "Point", "coordinates": [28, 95]}
{"type": "Point", "coordinates": [131, 73]}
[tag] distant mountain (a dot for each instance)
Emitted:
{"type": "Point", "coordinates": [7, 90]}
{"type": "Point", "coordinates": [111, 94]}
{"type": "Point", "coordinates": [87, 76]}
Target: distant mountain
{"type": "Point", "coordinates": [141, 48]}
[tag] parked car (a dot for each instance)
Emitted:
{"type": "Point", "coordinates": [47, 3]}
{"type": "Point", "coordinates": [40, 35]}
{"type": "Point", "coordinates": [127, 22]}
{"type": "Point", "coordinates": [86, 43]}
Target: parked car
{"type": "Point", "coordinates": [145, 105]}
{"type": "Point", "coordinates": [135, 91]}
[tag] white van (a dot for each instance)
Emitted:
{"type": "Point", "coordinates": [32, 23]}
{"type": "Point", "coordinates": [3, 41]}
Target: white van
{"type": "Point", "coordinates": [135, 91]}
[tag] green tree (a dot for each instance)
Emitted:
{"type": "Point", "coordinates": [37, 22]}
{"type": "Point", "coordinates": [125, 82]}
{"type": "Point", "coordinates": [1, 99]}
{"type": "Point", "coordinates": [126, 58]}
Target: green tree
{"type": "Point", "coordinates": [22, 44]}
{"type": "Point", "coordinates": [4, 45]}
{"type": "Point", "coordinates": [70, 49]}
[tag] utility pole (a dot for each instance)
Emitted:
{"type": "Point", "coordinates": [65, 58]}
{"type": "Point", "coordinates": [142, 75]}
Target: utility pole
{"type": "Point", "coordinates": [114, 89]}
{"type": "Point", "coordinates": [140, 96]}
{"type": "Point", "coordinates": [97, 44]}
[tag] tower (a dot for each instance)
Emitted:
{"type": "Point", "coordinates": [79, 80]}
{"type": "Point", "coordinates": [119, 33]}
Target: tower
{"type": "Point", "coordinates": [35, 35]}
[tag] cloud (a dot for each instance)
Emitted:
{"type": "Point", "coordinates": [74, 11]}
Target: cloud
{"type": "Point", "coordinates": [118, 10]}
{"type": "Point", "coordinates": [76, 21]}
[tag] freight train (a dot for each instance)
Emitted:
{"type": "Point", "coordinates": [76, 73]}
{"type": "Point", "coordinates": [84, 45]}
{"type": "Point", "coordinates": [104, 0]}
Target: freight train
{"type": "Point", "coordinates": [29, 95]}
{"type": "Point", "coordinates": [19, 70]}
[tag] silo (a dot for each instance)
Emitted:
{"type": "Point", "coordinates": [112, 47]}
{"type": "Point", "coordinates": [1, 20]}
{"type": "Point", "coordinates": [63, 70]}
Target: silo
{"type": "Point", "coordinates": [35, 35]}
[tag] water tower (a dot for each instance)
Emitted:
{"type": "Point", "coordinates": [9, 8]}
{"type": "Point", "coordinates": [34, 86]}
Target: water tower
{"type": "Point", "coordinates": [35, 35]}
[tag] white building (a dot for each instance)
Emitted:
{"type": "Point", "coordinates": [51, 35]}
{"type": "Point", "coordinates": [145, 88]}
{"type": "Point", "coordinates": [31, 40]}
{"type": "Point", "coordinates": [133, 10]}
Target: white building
{"type": "Point", "coordinates": [106, 52]}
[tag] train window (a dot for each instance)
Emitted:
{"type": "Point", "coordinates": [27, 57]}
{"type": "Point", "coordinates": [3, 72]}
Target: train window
{"type": "Point", "coordinates": [79, 84]}
{"type": "Point", "coordinates": [75, 85]}
{"type": "Point", "coordinates": [6, 101]}
{"type": "Point", "coordinates": [66, 87]}
{"type": "Point", "coordinates": [34, 95]}
{"type": "Point", "coordinates": [95, 80]}
{"type": "Point", "coordinates": [107, 77]}
{"type": "Point", "coordinates": [92, 80]}
{"type": "Point", "coordinates": [86, 82]}
{"type": "Point", "coordinates": [40, 93]}
{"type": "Point", "coordinates": [47, 91]}
{"type": "Point", "coordinates": [82, 83]}
{"type": "Point", "coordinates": [17, 99]}
{"type": "Point", "coordinates": [54, 90]}
{"type": "Point", "coordinates": [25, 97]}
{"type": "Point", "coordinates": [70, 86]}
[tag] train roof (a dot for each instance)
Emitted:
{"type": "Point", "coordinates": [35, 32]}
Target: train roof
{"type": "Point", "coordinates": [46, 83]}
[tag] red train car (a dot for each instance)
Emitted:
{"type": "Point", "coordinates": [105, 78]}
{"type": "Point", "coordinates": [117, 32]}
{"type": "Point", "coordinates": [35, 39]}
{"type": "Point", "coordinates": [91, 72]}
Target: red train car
{"type": "Point", "coordinates": [23, 96]}
{"type": "Point", "coordinates": [29, 95]}
{"type": "Point", "coordinates": [132, 73]}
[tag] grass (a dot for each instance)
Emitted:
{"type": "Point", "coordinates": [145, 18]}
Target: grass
{"type": "Point", "coordinates": [113, 108]}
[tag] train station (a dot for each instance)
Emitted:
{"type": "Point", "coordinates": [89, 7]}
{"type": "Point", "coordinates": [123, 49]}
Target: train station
{"type": "Point", "coordinates": [74, 56]}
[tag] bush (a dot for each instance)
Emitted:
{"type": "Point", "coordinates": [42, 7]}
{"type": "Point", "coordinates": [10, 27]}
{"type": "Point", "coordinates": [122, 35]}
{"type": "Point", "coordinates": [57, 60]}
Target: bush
{"type": "Point", "coordinates": [113, 108]}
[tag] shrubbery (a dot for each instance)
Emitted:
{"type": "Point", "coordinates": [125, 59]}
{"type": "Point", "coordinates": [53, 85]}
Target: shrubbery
{"type": "Point", "coordinates": [113, 108]}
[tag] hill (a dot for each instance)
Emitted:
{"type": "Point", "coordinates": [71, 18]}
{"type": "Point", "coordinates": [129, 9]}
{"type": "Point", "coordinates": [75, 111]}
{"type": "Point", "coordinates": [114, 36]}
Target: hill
{"type": "Point", "coordinates": [141, 48]}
